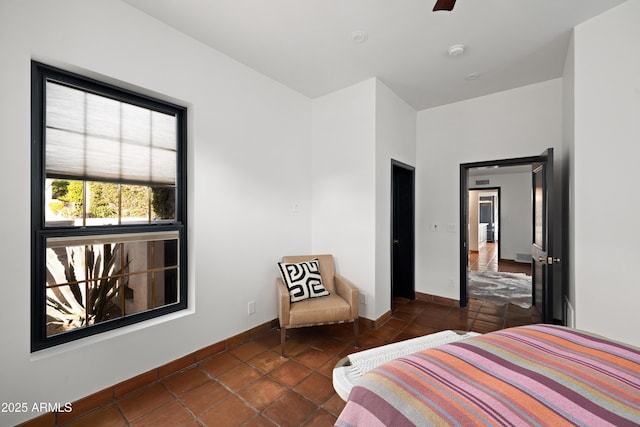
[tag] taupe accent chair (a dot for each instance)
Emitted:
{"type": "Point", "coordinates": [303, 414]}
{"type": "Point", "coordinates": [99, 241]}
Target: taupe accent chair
{"type": "Point", "coordinates": [341, 306]}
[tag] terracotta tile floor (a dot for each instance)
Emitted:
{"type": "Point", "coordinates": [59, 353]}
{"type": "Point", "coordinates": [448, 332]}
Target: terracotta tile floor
{"type": "Point", "coordinates": [251, 385]}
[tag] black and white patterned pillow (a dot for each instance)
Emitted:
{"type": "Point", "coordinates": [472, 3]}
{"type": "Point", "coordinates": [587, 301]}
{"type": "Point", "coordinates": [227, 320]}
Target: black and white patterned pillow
{"type": "Point", "coordinates": [302, 279]}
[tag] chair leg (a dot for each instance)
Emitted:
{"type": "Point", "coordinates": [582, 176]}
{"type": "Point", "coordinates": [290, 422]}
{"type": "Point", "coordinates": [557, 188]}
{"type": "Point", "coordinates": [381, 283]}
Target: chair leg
{"type": "Point", "coordinates": [355, 332]}
{"type": "Point", "coordinates": [283, 333]}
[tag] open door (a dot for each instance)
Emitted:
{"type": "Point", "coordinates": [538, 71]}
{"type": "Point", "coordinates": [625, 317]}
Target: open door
{"type": "Point", "coordinates": [542, 259]}
{"type": "Point", "coordinates": [402, 231]}
{"type": "Point", "coordinates": [544, 264]}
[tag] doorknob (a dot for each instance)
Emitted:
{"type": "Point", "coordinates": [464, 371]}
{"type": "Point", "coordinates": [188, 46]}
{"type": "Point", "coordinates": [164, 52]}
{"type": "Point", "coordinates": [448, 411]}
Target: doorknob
{"type": "Point", "coordinates": [548, 260]}
{"type": "Point", "coordinates": [396, 241]}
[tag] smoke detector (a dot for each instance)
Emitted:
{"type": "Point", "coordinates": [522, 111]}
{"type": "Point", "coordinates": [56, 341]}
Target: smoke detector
{"type": "Point", "coordinates": [456, 50]}
{"type": "Point", "coordinates": [359, 36]}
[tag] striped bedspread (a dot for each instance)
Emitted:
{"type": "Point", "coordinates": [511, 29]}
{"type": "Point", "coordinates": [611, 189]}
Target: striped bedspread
{"type": "Point", "coordinates": [540, 375]}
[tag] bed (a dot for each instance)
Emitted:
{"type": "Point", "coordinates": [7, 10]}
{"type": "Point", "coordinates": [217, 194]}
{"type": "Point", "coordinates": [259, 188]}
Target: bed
{"type": "Point", "coordinates": [349, 369]}
{"type": "Point", "coordinates": [527, 375]}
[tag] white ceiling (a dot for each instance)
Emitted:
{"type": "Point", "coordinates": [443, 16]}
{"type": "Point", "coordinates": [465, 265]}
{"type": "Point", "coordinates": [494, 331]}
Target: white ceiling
{"type": "Point", "coordinates": [307, 44]}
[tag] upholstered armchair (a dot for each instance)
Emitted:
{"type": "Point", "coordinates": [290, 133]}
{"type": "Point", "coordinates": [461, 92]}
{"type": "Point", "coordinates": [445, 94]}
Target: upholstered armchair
{"type": "Point", "coordinates": [339, 306]}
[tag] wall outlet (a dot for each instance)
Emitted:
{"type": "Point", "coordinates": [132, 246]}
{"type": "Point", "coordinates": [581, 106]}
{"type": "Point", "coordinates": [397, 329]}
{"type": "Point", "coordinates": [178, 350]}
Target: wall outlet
{"type": "Point", "coordinates": [363, 299]}
{"type": "Point", "coordinates": [251, 307]}
{"type": "Point", "coordinates": [452, 283]}
{"type": "Point", "coordinates": [451, 227]}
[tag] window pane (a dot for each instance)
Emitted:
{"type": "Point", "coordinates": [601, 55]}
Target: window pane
{"type": "Point", "coordinates": [103, 203]}
{"type": "Point", "coordinates": [107, 203]}
{"type": "Point", "coordinates": [152, 278]}
{"type": "Point", "coordinates": [105, 269]}
{"type": "Point", "coordinates": [66, 289]}
{"type": "Point", "coordinates": [140, 262]}
{"type": "Point", "coordinates": [64, 311]}
{"type": "Point", "coordinates": [170, 279]}
{"type": "Point", "coordinates": [163, 203]}
{"type": "Point", "coordinates": [135, 204]}
{"type": "Point", "coordinates": [104, 301]}
{"type": "Point", "coordinates": [63, 202]}
{"type": "Point", "coordinates": [100, 278]}
{"type": "Point", "coordinates": [137, 291]}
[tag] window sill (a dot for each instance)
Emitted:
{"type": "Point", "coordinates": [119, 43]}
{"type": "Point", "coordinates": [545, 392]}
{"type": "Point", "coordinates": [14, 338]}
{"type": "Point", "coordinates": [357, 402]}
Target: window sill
{"type": "Point", "coordinates": [106, 336]}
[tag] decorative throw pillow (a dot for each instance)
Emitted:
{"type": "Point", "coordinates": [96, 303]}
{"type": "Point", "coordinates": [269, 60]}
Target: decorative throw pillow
{"type": "Point", "coordinates": [302, 279]}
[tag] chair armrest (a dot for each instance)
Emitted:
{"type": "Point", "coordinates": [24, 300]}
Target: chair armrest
{"type": "Point", "coordinates": [349, 292]}
{"type": "Point", "coordinates": [283, 303]}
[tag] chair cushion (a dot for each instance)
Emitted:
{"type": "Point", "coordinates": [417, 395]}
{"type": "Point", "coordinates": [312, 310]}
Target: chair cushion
{"type": "Point", "coordinates": [302, 279]}
{"type": "Point", "coordinates": [320, 310]}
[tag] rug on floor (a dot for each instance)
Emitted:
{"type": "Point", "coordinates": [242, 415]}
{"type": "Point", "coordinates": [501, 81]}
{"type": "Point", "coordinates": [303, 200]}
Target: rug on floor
{"type": "Point", "coordinates": [500, 287]}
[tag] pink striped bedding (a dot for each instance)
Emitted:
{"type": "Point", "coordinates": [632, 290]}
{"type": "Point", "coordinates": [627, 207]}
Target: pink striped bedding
{"type": "Point", "coordinates": [541, 375]}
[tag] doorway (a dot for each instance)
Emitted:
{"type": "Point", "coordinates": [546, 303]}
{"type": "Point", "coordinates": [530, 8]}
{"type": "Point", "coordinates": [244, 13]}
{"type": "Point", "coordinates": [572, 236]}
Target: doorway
{"type": "Point", "coordinates": [497, 276]}
{"type": "Point", "coordinates": [484, 225]}
{"type": "Point", "coordinates": [402, 231]}
{"type": "Point", "coordinates": [537, 215]}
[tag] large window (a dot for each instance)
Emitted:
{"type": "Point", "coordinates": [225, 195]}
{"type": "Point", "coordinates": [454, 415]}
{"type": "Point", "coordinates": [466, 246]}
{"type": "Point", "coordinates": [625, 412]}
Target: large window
{"type": "Point", "coordinates": [108, 207]}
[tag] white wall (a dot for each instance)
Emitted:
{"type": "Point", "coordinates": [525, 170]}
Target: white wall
{"type": "Point", "coordinates": [606, 152]}
{"type": "Point", "coordinates": [515, 123]}
{"type": "Point", "coordinates": [568, 146]}
{"type": "Point", "coordinates": [343, 189]}
{"type": "Point", "coordinates": [395, 139]}
{"type": "Point", "coordinates": [356, 132]}
{"type": "Point", "coordinates": [249, 141]}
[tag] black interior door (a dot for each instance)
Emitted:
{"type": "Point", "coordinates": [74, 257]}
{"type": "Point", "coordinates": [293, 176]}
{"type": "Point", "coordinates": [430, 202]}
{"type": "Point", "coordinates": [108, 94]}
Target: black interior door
{"type": "Point", "coordinates": [542, 260]}
{"type": "Point", "coordinates": [402, 231]}
{"type": "Point", "coordinates": [544, 264]}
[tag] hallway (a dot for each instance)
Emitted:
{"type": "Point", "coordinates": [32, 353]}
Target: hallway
{"type": "Point", "coordinates": [486, 259]}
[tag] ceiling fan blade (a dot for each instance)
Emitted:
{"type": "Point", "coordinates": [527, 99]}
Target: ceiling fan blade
{"type": "Point", "coordinates": [444, 5]}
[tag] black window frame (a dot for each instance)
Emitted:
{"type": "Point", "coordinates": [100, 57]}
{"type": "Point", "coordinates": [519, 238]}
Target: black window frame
{"type": "Point", "coordinates": [40, 232]}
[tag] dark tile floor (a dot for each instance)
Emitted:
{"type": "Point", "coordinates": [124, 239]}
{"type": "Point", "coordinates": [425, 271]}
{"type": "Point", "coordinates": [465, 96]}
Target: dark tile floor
{"type": "Point", "coordinates": [251, 385]}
